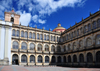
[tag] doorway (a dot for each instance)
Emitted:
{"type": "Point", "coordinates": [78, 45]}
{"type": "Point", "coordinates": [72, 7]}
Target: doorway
{"type": "Point", "coordinates": [15, 59]}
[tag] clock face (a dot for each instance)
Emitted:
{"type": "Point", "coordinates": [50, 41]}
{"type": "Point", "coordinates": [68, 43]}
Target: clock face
{"type": "Point", "coordinates": [12, 15]}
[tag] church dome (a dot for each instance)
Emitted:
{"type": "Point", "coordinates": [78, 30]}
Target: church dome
{"type": "Point", "coordinates": [59, 28]}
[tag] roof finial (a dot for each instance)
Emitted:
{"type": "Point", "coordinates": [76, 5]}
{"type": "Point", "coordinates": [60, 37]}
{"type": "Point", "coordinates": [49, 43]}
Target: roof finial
{"type": "Point", "coordinates": [90, 13]}
{"type": "Point", "coordinates": [82, 19]}
{"type": "Point", "coordinates": [75, 22]}
{"type": "Point", "coordinates": [12, 9]}
{"type": "Point", "coordinates": [49, 29]}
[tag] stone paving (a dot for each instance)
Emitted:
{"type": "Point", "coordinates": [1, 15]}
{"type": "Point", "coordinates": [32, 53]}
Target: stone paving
{"type": "Point", "coordinates": [48, 68]}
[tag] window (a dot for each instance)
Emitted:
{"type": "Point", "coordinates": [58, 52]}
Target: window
{"type": "Point", "coordinates": [22, 33]}
{"type": "Point", "coordinates": [33, 35]}
{"type": "Point", "coordinates": [64, 59]}
{"type": "Point", "coordinates": [32, 59]}
{"type": "Point", "coordinates": [74, 46]}
{"type": "Point", "coordinates": [72, 34]}
{"type": "Point", "coordinates": [85, 29]}
{"type": "Point", "coordinates": [39, 47]}
{"type": "Point", "coordinates": [12, 19]}
{"type": "Point", "coordinates": [23, 45]}
{"type": "Point", "coordinates": [54, 38]}
{"type": "Point", "coordinates": [13, 33]}
{"type": "Point", "coordinates": [15, 45]}
{"type": "Point", "coordinates": [41, 37]}
{"type": "Point", "coordinates": [39, 59]}
{"type": "Point", "coordinates": [64, 48]}
{"type": "Point", "coordinates": [58, 49]}
{"type": "Point", "coordinates": [26, 34]}
{"type": "Point", "coordinates": [98, 39]}
{"type": "Point", "coordinates": [37, 35]}
{"type": "Point", "coordinates": [46, 59]}
{"type": "Point", "coordinates": [59, 59]}
{"type": "Point", "coordinates": [81, 58]}
{"type": "Point", "coordinates": [51, 37]}
{"type": "Point", "coordinates": [94, 25]}
{"type": "Point", "coordinates": [53, 48]}
{"type": "Point", "coordinates": [89, 27]}
{"type": "Point", "coordinates": [74, 58]}
{"type": "Point", "coordinates": [53, 60]}
{"type": "Point", "coordinates": [69, 47]}
{"type": "Point", "coordinates": [58, 39]}
{"type": "Point", "coordinates": [30, 35]}
{"type": "Point", "coordinates": [44, 37]}
{"type": "Point", "coordinates": [17, 33]}
{"type": "Point", "coordinates": [46, 48]}
{"type": "Point", "coordinates": [67, 37]}
{"type": "Point", "coordinates": [81, 31]}
{"type": "Point", "coordinates": [78, 32]}
{"type": "Point", "coordinates": [48, 37]}
{"type": "Point", "coordinates": [80, 44]}
{"type": "Point", "coordinates": [69, 58]}
{"type": "Point", "coordinates": [89, 42]}
{"type": "Point", "coordinates": [32, 46]}
{"type": "Point", "coordinates": [98, 57]}
{"type": "Point", "coordinates": [98, 23]}
{"type": "Point", "coordinates": [89, 57]}
{"type": "Point", "coordinates": [24, 59]}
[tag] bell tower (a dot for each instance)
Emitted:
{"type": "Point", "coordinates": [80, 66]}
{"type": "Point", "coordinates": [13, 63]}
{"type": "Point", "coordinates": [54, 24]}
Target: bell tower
{"type": "Point", "coordinates": [12, 17]}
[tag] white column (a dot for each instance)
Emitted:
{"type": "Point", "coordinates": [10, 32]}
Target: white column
{"type": "Point", "coordinates": [6, 41]}
{"type": "Point", "coordinates": [2, 40]}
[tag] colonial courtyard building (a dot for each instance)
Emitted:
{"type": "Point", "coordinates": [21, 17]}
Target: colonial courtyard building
{"type": "Point", "coordinates": [78, 45]}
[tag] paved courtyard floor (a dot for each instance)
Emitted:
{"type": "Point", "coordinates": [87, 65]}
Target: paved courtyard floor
{"type": "Point", "coordinates": [49, 68]}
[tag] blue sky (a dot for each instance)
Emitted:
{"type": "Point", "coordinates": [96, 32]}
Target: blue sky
{"type": "Point", "coordinates": [48, 13]}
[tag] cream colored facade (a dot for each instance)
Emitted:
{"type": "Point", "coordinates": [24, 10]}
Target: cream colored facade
{"type": "Point", "coordinates": [77, 46]}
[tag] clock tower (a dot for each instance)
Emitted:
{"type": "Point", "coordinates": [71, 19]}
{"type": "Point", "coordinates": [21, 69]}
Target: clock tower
{"type": "Point", "coordinates": [12, 17]}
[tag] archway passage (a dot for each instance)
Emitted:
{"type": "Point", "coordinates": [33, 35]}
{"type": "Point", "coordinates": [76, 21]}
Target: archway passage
{"type": "Point", "coordinates": [15, 59]}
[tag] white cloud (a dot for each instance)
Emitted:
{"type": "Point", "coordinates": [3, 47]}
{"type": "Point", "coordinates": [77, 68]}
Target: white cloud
{"type": "Point", "coordinates": [37, 19]}
{"type": "Point", "coordinates": [25, 18]}
{"type": "Point", "coordinates": [42, 21]}
{"type": "Point", "coordinates": [38, 8]}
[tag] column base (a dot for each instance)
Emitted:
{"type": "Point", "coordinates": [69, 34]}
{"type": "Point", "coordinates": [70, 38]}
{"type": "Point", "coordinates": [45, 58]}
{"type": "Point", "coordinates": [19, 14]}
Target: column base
{"type": "Point", "coordinates": [4, 61]}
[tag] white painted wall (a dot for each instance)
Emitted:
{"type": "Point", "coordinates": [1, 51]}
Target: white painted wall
{"type": "Point", "coordinates": [4, 41]}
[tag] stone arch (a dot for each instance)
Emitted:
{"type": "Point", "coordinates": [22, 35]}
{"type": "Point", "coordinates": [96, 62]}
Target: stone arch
{"type": "Point", "coordinates": [64, 59]}
{"type": "Point", "coordinates": [32, 58]}
{"type": "Point", "coordinates": [98, 22]}
{"type": "Point", "coordinates": [89, 57]}
{"type": "Point", "coordinates": [74, 58]}
{"type": "Point", "coordinates": [47, 59]}
{"type": "Point", "coordinates": [15, 59]}
{"type": "Point", "coordinates": [15, 45]}
{"type": "Point", "coordinates": [53, 60]}
{"type": "Point", "coordinates": [39, 47]}
{"type": "Point", "coordinates": [46, 47]}
{"type": "Point", "coordinates": [40, 59]}
{"type": "Point", "coordinates": [59, 59]}
{"type": "Point", "coordinates": [69, 58]}
{"type": "Point", "coordinates": [81, 58]}
{"type": "Point", "coordinates": [74, 46]}
{"type": "Point", "coordinates": [24, 58]}
{"type": "Point", "coordinates": [98, 56]}
{"type": "Point", "coordinates": [24, 45]}
{"type": "Point", "coordinates": [97, 39]}
{"type": "Point", "coordinates": [88, 41]}
{"type": "Point", "coordinates": [32, 46]}
{"type": "Point", "coordinates": [58, 48]}
{"type": "Point", "coordinates": [80, 43]}
{"type": "Point", "coordinates": [53, 48]}
{"type": "Point", "coordinates": [12, 19]}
